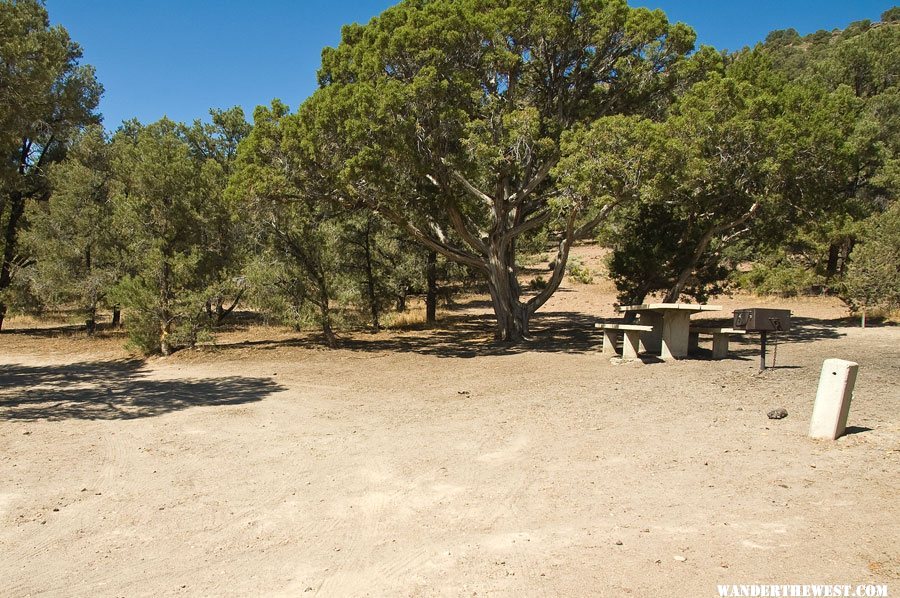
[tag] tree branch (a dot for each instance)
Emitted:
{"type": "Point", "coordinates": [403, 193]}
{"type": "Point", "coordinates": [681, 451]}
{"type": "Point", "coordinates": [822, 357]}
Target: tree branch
{"type": "Point", "coordinates": [424, 238]}
{"type": "Point", "coordinates": [702, 245]}
{"type": "Point", "coordinates": [472, 189]}
{"type": "Point", "coordinates": [44, 151]}
{"type": "Point", "coordinates": [588, 227]}
{"type": "Point", "coordinates": [540, 176]}
{"type": "Point", "coordinates": [460, 226]}
{"type": "Point", "coordinates": [562, 257]}
{"type": "Point", "coordinates": [534, 222]}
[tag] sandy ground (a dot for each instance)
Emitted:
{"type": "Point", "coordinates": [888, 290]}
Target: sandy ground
{"type": "Point", "coordinates": [433, 462]}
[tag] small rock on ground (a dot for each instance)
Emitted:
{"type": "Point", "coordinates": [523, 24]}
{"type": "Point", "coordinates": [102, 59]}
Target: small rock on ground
{"type": "Point", "coordinates": [779, 413]}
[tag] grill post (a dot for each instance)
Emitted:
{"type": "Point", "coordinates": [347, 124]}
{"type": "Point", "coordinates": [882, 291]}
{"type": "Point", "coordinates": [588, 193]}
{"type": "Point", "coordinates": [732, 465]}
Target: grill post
{"type": "Point", "coordinates": [762, 350]}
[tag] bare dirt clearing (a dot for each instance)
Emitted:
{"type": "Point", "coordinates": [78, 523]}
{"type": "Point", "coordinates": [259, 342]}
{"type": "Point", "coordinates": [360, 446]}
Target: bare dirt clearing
{"type": "Point", "coordinates": [434, 462]}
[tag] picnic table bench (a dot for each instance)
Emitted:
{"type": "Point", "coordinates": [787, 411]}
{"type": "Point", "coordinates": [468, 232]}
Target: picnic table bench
{"type": "Point", "coordinates": [721, 336]}
{"type": "Point", "coordinates": [631, 344]}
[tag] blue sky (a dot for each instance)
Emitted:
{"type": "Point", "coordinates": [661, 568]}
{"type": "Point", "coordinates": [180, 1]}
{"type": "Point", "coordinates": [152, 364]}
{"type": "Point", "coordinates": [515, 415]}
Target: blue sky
{"type": "Point", "coordinates": [179, 58]}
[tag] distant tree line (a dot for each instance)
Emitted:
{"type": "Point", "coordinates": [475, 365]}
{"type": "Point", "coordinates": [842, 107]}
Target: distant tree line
{"type": "Point", "coordinates": [447, 141]}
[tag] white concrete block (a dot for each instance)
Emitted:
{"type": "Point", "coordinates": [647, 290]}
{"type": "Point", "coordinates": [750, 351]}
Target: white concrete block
{"type": "Point", "coordinates": [829, 418]}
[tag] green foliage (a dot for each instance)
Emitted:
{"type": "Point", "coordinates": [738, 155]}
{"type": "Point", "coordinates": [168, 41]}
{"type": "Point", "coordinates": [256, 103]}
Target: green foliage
{"type": "Point", "coordinates": [376, 261]}
{"type": "Point", "coordinates": [286, 197]}
{"type": "Point", "coordinates": [579, 272]}
{"type": "Point", "coordinates": [779, 275]}
{"type": "Point", "coordinates": [651, 246]}
{"type": "Point", "coordinates": [76, 249]}
{"type": "Point", "coordinates": [45, 98]}
{"type": "Point", "coordinates": [142, 220]}
{"type": "Point", "coordinates": [862, 61]}
{"type": "Point", "coordinates": [873, 279]}
{"type": "Point", "coordinates": [143, 323]}
{"type": "Point", "coordinates": [441, 116]}
{"type": "Point", "coordinates": [165, 207]}
{"type": "Point", "coordinates": [329, 259]}
{"type": "Point", "coordinates": [21, 296]}
{"type": "Point", "coordinates": [275, 292]}
{"type": "Point", "coordinates": [742, 156]}
{"type": "Point", "coordinates": [226, 232]}
{"type": "Point", "coordinates": [538, 283]}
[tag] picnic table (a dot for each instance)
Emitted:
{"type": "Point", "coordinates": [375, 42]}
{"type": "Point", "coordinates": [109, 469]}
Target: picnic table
{"type": "Point", "coordinates": [671, 326]}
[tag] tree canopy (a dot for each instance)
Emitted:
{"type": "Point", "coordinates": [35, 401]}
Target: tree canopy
{"type": "Point", "coordinates": [466, 132]}
{"type": "Point", "coordinates": [46, 97]}
{"type": "Point", "coordinates": [450, 115]}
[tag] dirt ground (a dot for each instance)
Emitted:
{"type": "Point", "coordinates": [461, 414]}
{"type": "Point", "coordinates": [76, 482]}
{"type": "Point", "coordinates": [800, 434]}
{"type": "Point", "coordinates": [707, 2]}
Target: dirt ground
{"type": "Point", "coordinates": [433, 462]}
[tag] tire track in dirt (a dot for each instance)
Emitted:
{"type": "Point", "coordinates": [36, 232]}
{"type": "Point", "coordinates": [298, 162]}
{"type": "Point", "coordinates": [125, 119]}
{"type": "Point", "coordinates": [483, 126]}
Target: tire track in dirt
{"type": "Point", "coordinates": [385, 501]}
{"type": "Point", "coordinates": [344, 576]}
{"type": "Point", "coordinates": [512, 463]}
{"type": "Point", "coordinates": [65, 513]}
{"type": "Point", "coordinates": [108, 493]}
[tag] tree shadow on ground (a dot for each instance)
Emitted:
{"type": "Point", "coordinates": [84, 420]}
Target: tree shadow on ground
{"type": "Point", "coordinates": [747, 346]}
{"type": "Point", "coordinates": [66, 330]}
{"type": "Point", "coordinates": [803, 330]}
{"type": "Point", "coordinates": [465, 335]}
{"type": "Point", "coordinates": [462, 335]}
{"type": "Point", "coordinates": [114, 390]}
{"type": "Point", "coordinates": [46, 331]}
{"type": "Point", "coordinates": [471, 335]}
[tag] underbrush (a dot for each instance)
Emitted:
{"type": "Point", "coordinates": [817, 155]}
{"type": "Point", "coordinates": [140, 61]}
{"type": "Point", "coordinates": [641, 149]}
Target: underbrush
{"type": "Point", "coordinates": [578, 272]}
{"type": "Point", "coordinates": [782, 278]}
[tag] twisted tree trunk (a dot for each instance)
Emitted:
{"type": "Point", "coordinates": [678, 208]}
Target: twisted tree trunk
{"type": "Point", "coordinates": [431, 292]}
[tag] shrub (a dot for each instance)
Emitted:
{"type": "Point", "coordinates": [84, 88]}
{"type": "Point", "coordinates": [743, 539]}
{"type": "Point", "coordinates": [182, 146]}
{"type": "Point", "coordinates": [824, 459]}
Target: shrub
{"type": "Point", "coordinates": [873, 278]}
{"type": "Point", "coordinates": [538, 283]}
{"type": "Point", "coordinates": [780, 276]}
{"type": "Point", "coordinates": [579, 272]}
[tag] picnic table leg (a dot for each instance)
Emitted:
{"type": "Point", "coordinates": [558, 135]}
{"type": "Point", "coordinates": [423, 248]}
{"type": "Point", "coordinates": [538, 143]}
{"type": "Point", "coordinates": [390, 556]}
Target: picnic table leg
{"type": "Point", "coordinates": [693, 342]}
{"type": "Point", "coordinates": [609, 341]}
{"type": "Point", "coordinates": [631, 344]}
{"type": "Point", "coordinates": [675, 334]}
{"type": "Point", "coordinates": [720, 346]}
{"type": "Point", "coordinates": [651, 342]}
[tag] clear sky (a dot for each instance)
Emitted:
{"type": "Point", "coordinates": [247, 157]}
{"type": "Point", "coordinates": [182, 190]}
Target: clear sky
{"type": "Point", "coordinates": [179, 58]}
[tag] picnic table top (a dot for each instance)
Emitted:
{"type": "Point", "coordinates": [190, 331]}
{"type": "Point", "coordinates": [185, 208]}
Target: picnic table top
{"type": "Point", "coordinates": [667, 306]}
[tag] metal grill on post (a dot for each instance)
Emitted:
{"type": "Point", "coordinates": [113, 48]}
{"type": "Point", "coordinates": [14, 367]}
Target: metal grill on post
{"type": "Point", "coordinates": [762, 321]}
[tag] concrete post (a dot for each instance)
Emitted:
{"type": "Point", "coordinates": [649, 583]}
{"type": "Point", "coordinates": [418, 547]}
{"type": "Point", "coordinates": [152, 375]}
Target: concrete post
{"type": "Point", "coordinates": [829, 418]}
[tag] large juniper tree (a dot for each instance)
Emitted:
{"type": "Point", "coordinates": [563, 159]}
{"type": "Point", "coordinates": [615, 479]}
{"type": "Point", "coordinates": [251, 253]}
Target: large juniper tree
{"type": "Point", "coordinates": [449, 115]}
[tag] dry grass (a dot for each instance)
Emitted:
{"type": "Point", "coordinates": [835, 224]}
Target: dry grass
{"type": "Point", "coordinates": [414, 317]}
{"type": "Point", "coordinates": [44, 320]}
